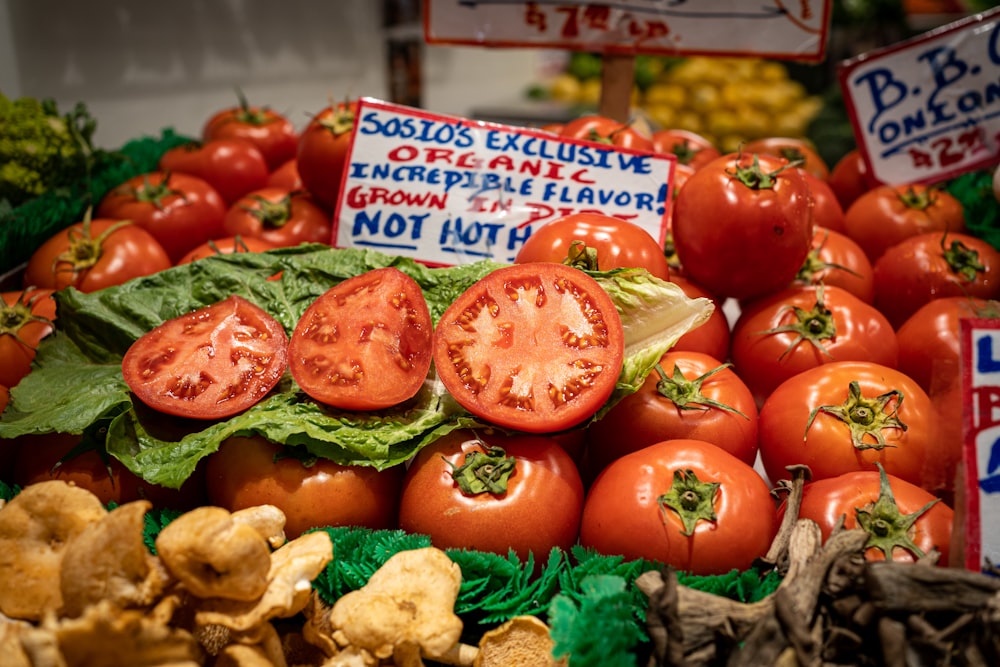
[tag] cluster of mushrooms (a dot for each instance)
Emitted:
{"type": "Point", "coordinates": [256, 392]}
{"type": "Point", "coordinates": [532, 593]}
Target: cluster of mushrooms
{"type": "Point", "coordinates": [79, 586]}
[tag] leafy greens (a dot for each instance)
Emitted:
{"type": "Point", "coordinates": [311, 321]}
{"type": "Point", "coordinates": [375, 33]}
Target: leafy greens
{"type": "Point", "coordinates": [76, 385]}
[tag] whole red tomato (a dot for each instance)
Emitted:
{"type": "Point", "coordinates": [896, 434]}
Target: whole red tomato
{"type": "Point", "coordinates": [849, 178]}
{"type": "Point", "coordinates": [271, 132]}
{"type": "Point", "coordinates": [933, 265]}
{"type": "Point", "coordinates": [685, 503]}
{"type": "Point", "coordinates": [800, 328]}
{"type": "Point", "coordinates": [533, 347]}
{"type": "Point", "coordinates": [605, 130]}
{"type": "Point", "coordinates": [888, 214]}
{"type": "Point", "coordinates": [904, 522]}
{"type": "Point", "coordinates": [233, 167]}
{"type": "Point", "coordinates": [226, 246]}
{"type": "Point", "coordinates": [835, 259]}
{"type": "Point", "coordinates": [826, 209]}
{"type": "Point", "coordinates": [365, 343]}
{"type": "Point", "coordinates": [688, 395]}
{"type": "Point", "coordinates": [181, 211]}
{"type": "Point", "coordinates": [596, 242]}
{"type": "Point", "coordinates": [26, 317]}
{"type": "Point", "coordinates": [313, 492]}
{"type": "Point", "coordinates": [793, 149]}
{"type": "Point", "coordinates": [713, 336]}
{"type": "Point", "coordinates": [690, 148]}
{"type": "Point", "coordinates": [742, 225]}
{"type": "Point", "coordinates": [322, 151]}
{"type": "Point", "coordinates": [280, 217]}
{"type": "Point", "coordinates": [210, 363]}
{"type": "Point", "coordinates": [286, 176]}
{"type": "Point", "coordinates": [930, 339]}
{"type": "Point", "coordinates": [849, 415]}
{"type": "Point", "coordinates": [95, 254]}
{"type": "Point", "coordinates": [495, 493]}
{"type": "Point", "coordinates": [71, 458]}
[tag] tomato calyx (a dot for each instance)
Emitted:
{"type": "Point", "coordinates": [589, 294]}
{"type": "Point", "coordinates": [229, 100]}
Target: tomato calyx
{"type": "Point", "coordinates": [272, 214]}
{"type": "Point", "coordinates": [84, 250]}
{"type": "Point", "coordinates": [962, 260]}
{"type": "Point", "coordinates": [886, 526]}
{"type": "Point", "coordinates": [814, 325]}
{"type": "Point", "coordinates": [686, 394]}
{"type": "Point", "coordinates": [864, 416]}
{"type": "Point", "coordinates": [581, 256]}
{"type": "Point", "coordinates": [14, 317]}
{"type": "Point", "coordinates": [918, 200]}
{"type": "Point", "coordinates": [256, 116]}
{"type": "Point", "coordinates": [149, 193]}
{"type": "Point", "coordinates": [814, 264]}
{"type": "Point", "coordinates": [754, 176]}
{"type": "Point", "coordinates": [484, 472]}
{"type": "Point", "coordinates": [340, 121]}
{"type": "Point", "coordinates": [691, 499]}
{"type": "Point", "coordinates": [685, 151]}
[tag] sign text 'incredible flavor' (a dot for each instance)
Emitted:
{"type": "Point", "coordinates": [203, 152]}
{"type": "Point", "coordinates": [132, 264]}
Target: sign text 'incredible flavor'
{"type": "Point", "coordinates": [447, 190]}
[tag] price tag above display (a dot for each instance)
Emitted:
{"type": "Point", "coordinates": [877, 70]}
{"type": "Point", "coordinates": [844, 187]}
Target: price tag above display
{"type": "Point", "coordinates": [776, 29]}
{"type": "Point", "coordinates": [927, 109]}
{"type": "Point", "coordinates": [980, 339]}
{"type": "Point", "coordinates": [446, 190]}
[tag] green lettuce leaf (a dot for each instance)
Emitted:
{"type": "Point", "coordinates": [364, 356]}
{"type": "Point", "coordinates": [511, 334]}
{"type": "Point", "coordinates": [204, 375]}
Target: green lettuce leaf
{"type": "Point", "coordinates": [76, 383]}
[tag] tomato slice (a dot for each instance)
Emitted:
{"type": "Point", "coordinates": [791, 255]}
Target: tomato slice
{"type": "Point", "coordinates": [364, 344]}
{"type": "Point", "coordinates": [536, 347]}
{"type": "Point", "coordinates": [210, 363]}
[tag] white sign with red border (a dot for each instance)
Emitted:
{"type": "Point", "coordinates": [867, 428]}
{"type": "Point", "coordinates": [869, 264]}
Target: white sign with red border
{"type": "Point", "coordinates": [980, 340]}
{"type": "Point", "coordinates": [779, 29]}
{"type": "Point", "coordinates": [927, 109]}
{"type": "Point", "coordinates": [446, 190]}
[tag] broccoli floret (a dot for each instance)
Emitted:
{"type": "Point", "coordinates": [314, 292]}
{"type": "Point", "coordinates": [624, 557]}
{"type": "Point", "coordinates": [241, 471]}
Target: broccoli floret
{"type": "Point", "coordinates": [41, 149]}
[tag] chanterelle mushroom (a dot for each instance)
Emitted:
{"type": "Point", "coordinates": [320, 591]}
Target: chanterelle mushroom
{"type": "Point", "coordinates": [408, 602]}
{"type": "Point", "coordinates": [215, 556]}
{"type": "Point", "coordinates": [34, 529]}
{"type": "Point", "coordinates": [108, 560]}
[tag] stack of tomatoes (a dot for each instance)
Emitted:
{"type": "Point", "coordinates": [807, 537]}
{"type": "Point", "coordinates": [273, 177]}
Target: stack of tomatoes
{"type": "Point", "coordinates": [834, 344]}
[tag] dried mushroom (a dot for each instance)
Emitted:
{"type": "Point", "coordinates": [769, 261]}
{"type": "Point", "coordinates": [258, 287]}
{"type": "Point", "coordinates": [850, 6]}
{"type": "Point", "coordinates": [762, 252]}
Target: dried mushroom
{"type": "Point", "coordinates": [106, 635]}
{"type": "Point", "coordinates": [407, 604]}
{"type": "Point", "coordinates": [35, 527]}
{"type": "Point", "coordinates": [523, 640]}
{"type": "Point", "coordinates": [289, 587]}
{"type": "Point", "coordinates": [215, 556]}
{"type": "Point", "coordinates": [267, 520]}
{"type": "Point", "coordinates": [108, 560]}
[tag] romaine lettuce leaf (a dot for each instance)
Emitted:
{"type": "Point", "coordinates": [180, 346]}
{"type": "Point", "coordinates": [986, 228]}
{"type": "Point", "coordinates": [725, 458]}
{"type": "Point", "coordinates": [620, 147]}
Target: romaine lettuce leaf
{"type": "Point", "coordinates": [76, 384]}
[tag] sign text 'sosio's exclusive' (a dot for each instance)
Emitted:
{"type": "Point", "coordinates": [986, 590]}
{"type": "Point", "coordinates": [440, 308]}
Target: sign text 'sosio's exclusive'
{"type": "Point", "coordinates": [448, 190]}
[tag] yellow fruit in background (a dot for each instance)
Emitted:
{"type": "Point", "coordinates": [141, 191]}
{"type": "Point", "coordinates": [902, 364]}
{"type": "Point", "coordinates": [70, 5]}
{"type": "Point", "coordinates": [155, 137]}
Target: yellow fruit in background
{"type": "Point", "coordinates": [564, 88]}
{"type": "Point", "coordinates": [722, 122]}
{"type": "Point", "coordinates": [770, 70]}
{"type": "Point", "coordinates": [689, 120]}
{"type": "Point", "coordinates": [671, 94]}
{"type": "Point", "coordinates": [704, 97]}
{"type": "Point", "coordinates": [590, 92]}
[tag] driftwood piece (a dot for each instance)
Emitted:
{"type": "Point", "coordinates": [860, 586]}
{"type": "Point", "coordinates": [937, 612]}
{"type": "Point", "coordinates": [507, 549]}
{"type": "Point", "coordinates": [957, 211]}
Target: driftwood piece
{"type": "Point", "coordinates": [833, 607]}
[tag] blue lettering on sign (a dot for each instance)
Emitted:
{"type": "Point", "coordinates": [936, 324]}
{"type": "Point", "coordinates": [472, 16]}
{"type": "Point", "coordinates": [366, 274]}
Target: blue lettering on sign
{"type": "Point", "coordinates": [991, 483]}
{"type": "Point", "coordinates": [985, 363]}
{"type": "Point", "coordinates": [394, 226]}
{"type": "Point", "coordinates": [956, 99]}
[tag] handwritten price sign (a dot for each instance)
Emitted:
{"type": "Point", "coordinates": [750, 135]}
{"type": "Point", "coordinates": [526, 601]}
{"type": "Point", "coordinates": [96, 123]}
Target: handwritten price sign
{"type": "Point", "coordinates": [981, 387]}
{"type": "Point", "coordinates": [446, 190]}
{"type": "Point", "coordinates": [777, 29]}
{"type": "Point", "coordinates": [928, 109]}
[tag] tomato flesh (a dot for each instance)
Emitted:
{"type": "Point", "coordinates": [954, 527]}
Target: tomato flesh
{"type": "Point", "coordinates": [364, 344]}
{"type": "Point", "coordinates": [208, 364]}
{"type": "Point", "coordinates": [536, 347]}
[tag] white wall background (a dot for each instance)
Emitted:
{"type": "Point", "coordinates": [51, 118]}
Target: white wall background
{"type": "Point", "coordinates": [142, 66]}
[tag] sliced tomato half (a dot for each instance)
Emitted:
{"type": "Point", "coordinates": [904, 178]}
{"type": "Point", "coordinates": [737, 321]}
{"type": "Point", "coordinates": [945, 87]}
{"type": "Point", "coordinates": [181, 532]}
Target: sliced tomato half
{"type": "Point", "coordinates": [210, 363]}
{"type": "Point", "coordinates": [364, 344]}
{"type": "Point", "coordinates": [535, 347]}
